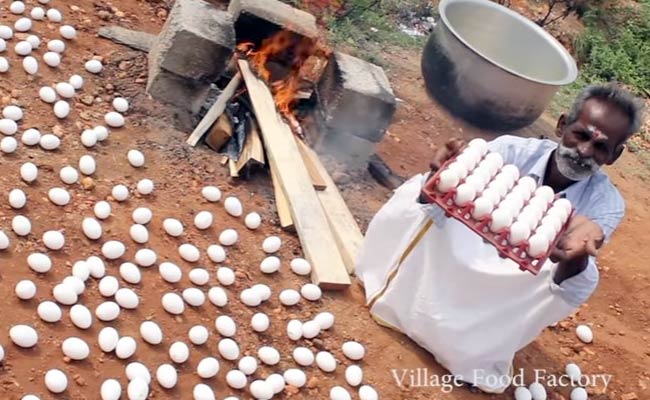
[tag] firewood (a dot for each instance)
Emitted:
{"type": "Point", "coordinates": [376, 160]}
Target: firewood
{"type": "Point", "coordinates": [220, 133]}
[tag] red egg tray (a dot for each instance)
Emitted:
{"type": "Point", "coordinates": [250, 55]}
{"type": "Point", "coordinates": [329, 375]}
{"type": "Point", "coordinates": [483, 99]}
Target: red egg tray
{"type": "Point", "coordinates": [481, 227]}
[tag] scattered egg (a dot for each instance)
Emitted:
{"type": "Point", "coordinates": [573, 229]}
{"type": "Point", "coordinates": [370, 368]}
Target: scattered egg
{"type": "Point", "coordinates": [120, 193]}
{"type": "Point", "coordinates": [151, 332]}
{"type": "Point", "coordinates": [271, 244]}
{"type": "Point", "coordinates": [203, 220]}
{"type": "Point", "coordinates": [537, 391]}
{"type": "Point", "coordinates": [270, 265]}
{"type": "Point", "coordinates": [300, 266]}
{"type": "Point", "coordinates": [12, 112]}
{"type": "Point", "coordinates": [23, 336]}
{"type": "Point", "coordinates": [75, 348]}
{"type": "Point", "coordinates": [261, 390]}
{"type": "Point", "coordinates": [145, 186]}
{"type": "Point", "coordinates": [77, 81]}
{"type": "Point", "coordinates": [584, 333]}
{"type": "Point", "coordinates": [137, 370]}
{"type": "Point", "coordinates": [325, 361]}
{"type": "Point", "coordinates": [579, 394]}
{"type": "Point", "coordinates": [198, 334]}
{"type": "Point", "coordinates": [260, 322]}
{"type": "Point", "coordinates": [25, 290]}
{"type": "Point", "coordinates": [139, 233]}
{"type": "Point", "coordinates": [136, 158]}
{"type": "Point", "coordinates": [353, 350]}
{"type": "Point", "coordinates": [30, 65]}
{"type": "Point", "coordinates": [167, 376]}
{"type": "Point", "coordinates": [173, 303]}
{"type": "Point", "coordinates": [173, 227]}
{"type": "Point", "coordinates": [263, 291]}
{"type": "Point", "coordinates": [92, 228]}
{"type": "Point", "coordinates": [289, 297]}
{"type": "Point", "coordinates": [97, 267]}
{"type": "Point", "coordinates": [49, 311]}
{"type": "Point", "coordinates": [107, 339]}
{"type": "Point", "coordinates": [194, 297]}
{"type": "Point", "coordinates": [145, 257]}
{"type": "Point", "coordinates": [268, 355]}
{"type": "Point", "coordinates": [61, 109]}
{"type": "Point", "coordinates": [233, 206]}
{"type": "Point", "coordinates": [37, 13]}
{"type": "Point", "coordinates": [68, 32]}
{"type": "Point", "coordinates": [53, 240]}
{"type": "Point", "coordinates": [4, 64]}
{"type": "Point", "coordinates": [228, 237]}
{"type": "Point", "coordinates": [108, 285]}
{"type": "Point", "coordinates": [277, 382]}
{"type": "Point", "coordinates": [142, 215]}
{"type": "Point", "coordinates": [130, 273]}
{"type": "Point", "coordinates": [8, 127]}
{"type": "Point", "coordinates": [21, 226]}
{"type": "Point", "coordinates": [23, 25]}
{"type": "Point", "coordinates": [125, 348]}
{"type": "Point", "coordinates": [102, 209]}
{"type": "Point", "coordinates": [294, 329]}
{"type": "Point", "coordinates": [247, 365]}
{"type": "Point", "coordinates": [114, 119]}
{"type": "Point", "coordinates": [17, 199]}
{"type": "Point", "coordinates": [76, 283]}
{"type": "Point", "coordinates": [110, 390]}
{"type": "Point", "coordinates": [202, 391]}
{"type": "Point", "coordinates": [6, 32]}
{"type": "Point", "coordinates": [17, 7]}
{"type": "Point", "coordinates": [189, 252]}
{"type": "Point", "coordinates": [179, 352]}
{"type": "Point", "coordinates": [137, 389]}
{"type": "Point", "coordinates": [56, 381]}
{"type": "Point", "coordinates": [216, 253]}
{"type": "Point", "coordinates": [325, 320]}
{"type": "Point", "coordinates": [54, 15]}
{"type": "Point", "coordinates": [211, 193]}
{"type": "Point", "coordinates": [208, 368]}
{"type": "Point", "coordinates": [339, 393]}
{"type": "Point", "coordinates": [250, 297]}
{"type": "Point", "coordinates": [4, 240]}
{"type": "Point", "coordinates": [170, 272]}
{"type": "Point", "coordinates": [8, 145]}
{"type": "Point", "coordinates": [65, 294]}
{"type": "Point", "coordinates": [39, 262]}
{"type": "Point", "coordinates": [310, 329]}
{"type": "Point", "coordinates": [225, 326]}
{"type": "Point", "coordinates": [113, 249]}
{"type": "Point", "coordinates": [120, 104]}
{"type": "Point", "coordinates": [228, 349]}
{"type": "Point", "coordinates": [236, 379]}
{"type": "Point", "coordinates": [311, 292]}
{"type": "Point", "coordinates": [303, 356]}
{"type": "Point", "coordinates": [52, 59]}
{"type": "Point", "coordinates": [87, 165]}
{"type": "Point", "coordinates": [218, 296]}
{"type": "Point", "coordinates": [89, 138]}
{"type": "Point", "coordinates": [295, 377]}
{"type": "Point", "coordinates": [50, 142]}
{"type": "Point", "coordinates": [368, 393]}
{"type": "Point", "coordinates": [94, 67]}
{"type": "Point", "coordinates": [354, 375]}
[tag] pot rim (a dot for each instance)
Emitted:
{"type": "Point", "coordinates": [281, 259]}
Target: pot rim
{"type": "Point", "coordinates": [572, 68]}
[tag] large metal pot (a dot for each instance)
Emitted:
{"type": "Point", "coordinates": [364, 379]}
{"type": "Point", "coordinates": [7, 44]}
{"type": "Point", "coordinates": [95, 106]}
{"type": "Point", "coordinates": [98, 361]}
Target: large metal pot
{"type": "Point", "coordinates": [492, 67]}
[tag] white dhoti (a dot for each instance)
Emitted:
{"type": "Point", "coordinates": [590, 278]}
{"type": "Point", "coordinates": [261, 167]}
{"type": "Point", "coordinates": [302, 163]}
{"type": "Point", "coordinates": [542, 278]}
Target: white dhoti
{"type": "Point", "coordinates": [450, 292]}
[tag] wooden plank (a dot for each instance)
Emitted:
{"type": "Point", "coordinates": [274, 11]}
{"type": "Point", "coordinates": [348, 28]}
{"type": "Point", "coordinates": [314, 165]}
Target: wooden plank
{"type": "Point", "coordinates": [316, 178]}
{"type": "Point", "coordinates": [232, 166]}
{"type": "Point", "coordinates": [342, 223]}
{"type": "Point", "coordinates": [219, 134]}
{"type": "Point", "coordinates": [224, 160]}
{"type": "Point", "coordinates": [138, 40]}
{"type": "Point", "coordinates": [253, 149]}
{"type": "Point", "coordinates": [215, 111]}
{"type": "Point", "coordinates": [318, 243]}
{"type": "Point", "coordinates": [284, 212]}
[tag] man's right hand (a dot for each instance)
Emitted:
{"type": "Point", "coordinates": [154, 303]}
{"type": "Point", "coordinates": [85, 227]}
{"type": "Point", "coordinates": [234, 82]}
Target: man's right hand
{"type": "Point", "coordinates": [444, 153]}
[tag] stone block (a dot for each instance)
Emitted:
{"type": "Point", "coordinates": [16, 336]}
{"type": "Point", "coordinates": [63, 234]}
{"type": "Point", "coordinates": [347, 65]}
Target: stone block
{"type": "Point", "coordinates": [348, 149]}
{"type": "Point", "coordinates": [257, 19]}
{"type": "Point", "coordinates": [356, 98]}
{"type": "Point", "coordinates": [196, 41]}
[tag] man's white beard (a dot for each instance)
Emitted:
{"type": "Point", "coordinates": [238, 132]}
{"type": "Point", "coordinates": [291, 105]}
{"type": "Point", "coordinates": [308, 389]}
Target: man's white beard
{"type": "Point", "coordinates": [572, 166]}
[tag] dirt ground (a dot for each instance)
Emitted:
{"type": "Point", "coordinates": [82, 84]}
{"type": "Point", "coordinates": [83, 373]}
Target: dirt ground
{"type": "Point", "coordinates": [617, 312]}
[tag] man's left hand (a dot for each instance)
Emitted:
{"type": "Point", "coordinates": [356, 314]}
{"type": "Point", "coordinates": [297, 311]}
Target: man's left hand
{"type": "Point", "coordinates": [582, 238]}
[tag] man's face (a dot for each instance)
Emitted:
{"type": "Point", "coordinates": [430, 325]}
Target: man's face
{"type": "Point", "coordinates": [595, 139]}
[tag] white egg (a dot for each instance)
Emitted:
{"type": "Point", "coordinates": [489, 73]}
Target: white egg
{"type": "Point", "coordinates": [130, 273]}
{"type": "Point", "coordinates": [17, 199]}
{"type": "Point", "coordinates": [228, 349]}
{"type": "Point", "coordinates": [76, 283]}
{"type": "Point", "coordinates": [68, 32]}
{"type": "Point", "coordinates": [354, 375]}
{"type": "Point", "coordinates": [8, 126]}
{"type": "Point", "coordinates": [142, 215]}
{"type": "Point", "coordinates": [120, 104]}
{"type": "Point", "coordinates": [77, 81]}
{"type": "Point", "coordinates": [52, 59]}
{"type": "Point", "coordinates": [25, 290]}
{"type": "Point", "coordinates": [4, 64]}
{"type": "Point", "coordinates": [81, 317]}
{"type": "Point", "coordinates": [564, 204]}
{"type": "Point", "coordinates": [107, 339]}
{"type": "Point", "coordinates": [247, 365]}
{"type": "Point", "coordinates": [250, 297]}
{"type": "Point", "coordinates": [203, 220]}
{"type": "Point", "coordinates": [47, 94]}
{"type": "Point", "coordinates": [173, 227]}
{"type": "Point", "coordinates": [31, 137]}
{"type": "Point", "coordinates": [6, 32]}
{"type": "Point", "coordinates": [300, 266]}
{"type": "Point", "coordinates": [49, 311]}
{"type": "Point", "coordinates": [289, 297]}
{"type": "Point", "coordinates": [519, 232]}
{"type": "Point", "coordinates": [30, 65]}
{"type": "Point", "coordinates": [136, 158]}
{"type": "Point", "coordinates": [94, 67]}
{"type": "Point", "coordinates": [270, 265]}
{"type": "Point", "coordinates": [552, 221]}
{"type": "Point", "coordinates": [294, 330]}
{"type": "Point", "coordinates": [277, 383]}
{"type": "Point", "coordinates": [39, 262]}
{"type": "Point", "coordinates": [23, 24]}
{"type": "Point", "coordinates": [573, 372]}
{"type": "Point", "coordinates": [145, 186]}
{"type": "Point", "coordinates": [114, 119]}
{"type": "Point", "coordinates": [61, 109]}
{"type": "Point", "coordinates": [102, 209]}
{"type": "Point", "coordinates": [50, 142]}
{"type": "Point", "coordinates": [108, 285]}
{"type": "Point", "coordinates": [261, 390]}
{"type": "Point", "coordinates": [537, 391]}
{"type": "Point", "coordinates": [233, 206]}
{"type": "Point", "coordinates": [8, 145]}
{"type": "Point", "coordinates": [137, 389]}
{"type": "Point", "coordinates": [325, 320]}
{"type": "Point", "coordinates": [339, 393]}
{"type": "Point", "coordinates": [198, 334]}
{"type": "Point", "coordinates": [4, 240]}
{"type": "Point", "coordinates": [23, 48]}
{"type": "Point", "coordinates": [303, 356]}
{"type": "Point", "coordinates": [501, 219]}
{"type": "Point", "coordinates": [325, 361]}
{"type": "Point", "coordinates": [37, 13]}
{"type": "Point", "coordinates": [14, 113]}
{"type": "Point", "coordinates": [448, 180]}
{"type": "Point", "coordinates": [547, 231]}
{"type": "Point", "coordinates": [194, 297]}
{"type": "Point", "coordinates": [311, 292]}
{"type": "Point", "coordinates": [216, 253]}
{"type": "Point", "coordinates": [96, 266]}
{"type": "Point", "coordinates": [202, 391]}
{"type": "Point", "coordinates": [228, 237]}
{"type": "Point", "coordinates": [579, 394]}
{"type": "Point", "coordinates": [139, 233]}
{"type": "Point", "coordinates": [125, 348]}
{"type": "Point", "coordinates": [179, 352]}
{"type": "Point", "coordinates": [170, 272]}
{"type": "Point", "coordinates": [21, 226]}
{"type": "Point", "coordinates": [189, 252]}
{"type": "Point", "coordinates": [236, 379]}
{"type": "Point", "coordinates": [137, 370]}
{"type": "Point", "coordinates": [23, 336]}
{"type": "Point", "coordinates": [56, 46]}
{"type": "Point", "coordinates": [145, 257]}
{"type": "Point", "coordinates": [584, 333]}
{"type": "Point", "coordinates": [17, 7]}
{"type": "Point", "coordinates": [465, 193]}
{"type": "Point", "coordinates": [368, 393]}
{"type": "Point", "coordinates": [268, 355]}
{"type": "Point", "coordinates": [225, 276]}
{"type": "Point", "coordinates": [167, 376]}
{"type": "Point", "coordinates": [65, 294]}
{"type": "Point", "coordinates": [353, 350]}
{"type": "Point", "coordinates": [295, 377]}
{"type": "Point", "coordinates": [263, 291]}
{"type": "Point", "coordinates": [88, 138]}
{"type": "Point", "coordinates": [271, 244]}
{"type": "Point", "coordinates": [208, 368]}
{"type": "Point", "coordinates": [253, 220]}
{"type": "Point", "coordinates": [310, 329]}
{"type": "Point", "coordinates": [173, 303]}
{"type": "Point", "coordinates": [537, 245]}
{"type": "Point", "coordinates": [75, 348]}
{"type": "Point", "coordinates": [56, 381]}
{"type": "Point", "coordinates": [101, 132]}
{"type": "Point", "coordinates": [260, 322]}
{"type": "Point", "coordinates": [225, 326]}
{"type": "Point", "coordinates": [218, 296]}
{"type": "Point", "coordinates": [87, 165]}
{"type": "Point", "coordinates": [120, 193]}
{"type": "Point", "coordinates": [110, 390]}
{"type": "Point", "coordinates": [113, 249]}
{"type": "Point", "coordinates": [211, 193]}
{"type": "Point", "coordinates": [151, 332]}
{"type": "Point", "coordinates": [53, 240]}
{"type": "Point", "coordinates": [54, 15]}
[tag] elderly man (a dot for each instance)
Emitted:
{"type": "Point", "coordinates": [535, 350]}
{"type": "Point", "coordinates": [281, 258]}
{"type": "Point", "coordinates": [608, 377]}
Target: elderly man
{"type": "Point", "coordinates": [438, 282]}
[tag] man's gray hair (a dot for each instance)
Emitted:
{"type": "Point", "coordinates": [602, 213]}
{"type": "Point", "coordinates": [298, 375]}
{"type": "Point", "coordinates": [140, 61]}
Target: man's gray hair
{"type": "Point", "coordinates": [614, 94]}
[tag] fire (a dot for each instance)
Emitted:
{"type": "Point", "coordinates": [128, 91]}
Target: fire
{"type": "Point", "coordinates": [281, 60]}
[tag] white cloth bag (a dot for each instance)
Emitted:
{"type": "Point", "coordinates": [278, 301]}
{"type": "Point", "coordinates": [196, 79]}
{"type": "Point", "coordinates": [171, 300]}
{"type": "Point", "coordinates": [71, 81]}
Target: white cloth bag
{"type": "Point", "coordinates": [450, 292]}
